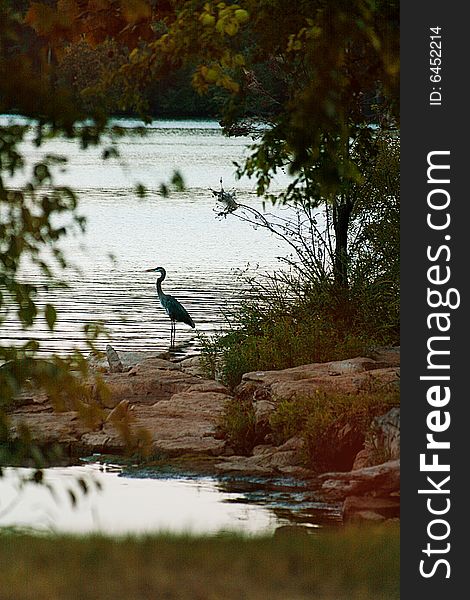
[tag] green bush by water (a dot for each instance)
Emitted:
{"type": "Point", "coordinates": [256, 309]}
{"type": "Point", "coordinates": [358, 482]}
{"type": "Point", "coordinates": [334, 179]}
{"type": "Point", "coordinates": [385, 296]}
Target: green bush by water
{"type": "Point", "coordinates": [316, 419]}
{"type": "Point", "coordinates": [321, 324]}
{"type": "Point", "coordinates": [319, 418]}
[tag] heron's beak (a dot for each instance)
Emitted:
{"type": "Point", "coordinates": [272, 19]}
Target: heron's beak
{"type": "Point", "coordinates": [148, 270]}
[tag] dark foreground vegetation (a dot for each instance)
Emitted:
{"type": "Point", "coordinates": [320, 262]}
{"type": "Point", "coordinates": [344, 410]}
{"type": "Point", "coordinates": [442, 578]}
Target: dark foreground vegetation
{"type": "Point", "coordinates": [351, 565]}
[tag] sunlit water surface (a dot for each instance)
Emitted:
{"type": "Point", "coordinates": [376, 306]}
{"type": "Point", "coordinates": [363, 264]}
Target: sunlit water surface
{"type": "Point", "coordinates": [150, 503]}
{"type": "Point", "coordinates": [181, 233]}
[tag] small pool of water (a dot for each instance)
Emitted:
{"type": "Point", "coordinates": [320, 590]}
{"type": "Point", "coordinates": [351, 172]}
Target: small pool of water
{"type": "Point", "coordinates": [149, 501]}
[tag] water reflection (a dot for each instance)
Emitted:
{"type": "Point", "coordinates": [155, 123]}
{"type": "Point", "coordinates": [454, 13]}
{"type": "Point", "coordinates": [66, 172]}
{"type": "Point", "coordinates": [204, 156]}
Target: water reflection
{"type": "Point", "coordinates": [144, 504]}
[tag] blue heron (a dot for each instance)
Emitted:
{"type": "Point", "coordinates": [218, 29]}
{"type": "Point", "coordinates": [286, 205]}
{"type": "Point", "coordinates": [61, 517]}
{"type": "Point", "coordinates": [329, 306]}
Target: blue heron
{"type": "Point", "coordinates": [174, 309]}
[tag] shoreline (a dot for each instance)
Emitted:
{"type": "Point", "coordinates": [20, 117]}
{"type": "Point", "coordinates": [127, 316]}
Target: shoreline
{"type": "Point", "coordinates": [170, 410]}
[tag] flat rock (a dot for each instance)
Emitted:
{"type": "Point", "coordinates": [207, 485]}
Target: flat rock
{"type": "Point", "coordinates": [380, 480]}
{"type": "Point", "coordinates": [106, 441]}
{"type": "Point", "coordinates": [244, 465]}
{"type": "Point", "coordinates": [185, 423]}
{"type": "Point", "coordinates": [298, 472]}
{"type": "Point", "coordinates": [370, 508]}
{"type": "Point", "coordinates": [49, 427]}
{"type": "Point", "coordinates": [29, 399]}
{"type": "Point", "coordinates": [156, 362]}
{"type": "Point", "coordinates": [193, 366]}
{"type": "Point", "coordinates": [149, 384]}
{"type": "Point", "coordinates": [267, 459]}
{"type": "Point", "coordinates": [202, 406]}
{"type": "Point", "coordinates": [180, 413]}
{"type": "Point", "coordinates": [347, 376]}
{"type": "Point", "coordinates": [388, 356]}
{"type": "Point", "coordinates": [332, 383]}
{"type": "Point", "coordinates": [208, 385]}
{"type": "Point", "coordinates": [340, 367]}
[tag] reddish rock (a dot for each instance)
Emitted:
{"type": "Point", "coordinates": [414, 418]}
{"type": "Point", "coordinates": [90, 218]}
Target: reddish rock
{"type": "Point", "coordinates": [186, 423]}
{"type": "Point", "coordinates": [49, 427]}
{"type": "Point", "coordinates": [347, 376]}
{"type": "Point", "coordinates": [180, 414]}
{"type": "Point", "coordinates": [387, 356]}
{"type": "Point", "coordinates": [268, 460]}
{"type": "Point", "coordinates": [370, 508]}
{"type": "Point", "coordinates": [344, 439]}
{"type": "Point", "coordinates": [193, 366]}
{"type": "Point", "coordinates": [149, 384]}
{"type": "Point", "coordinates": [382, 442]}
{"type": "Point", "coordinates": [380, 480]}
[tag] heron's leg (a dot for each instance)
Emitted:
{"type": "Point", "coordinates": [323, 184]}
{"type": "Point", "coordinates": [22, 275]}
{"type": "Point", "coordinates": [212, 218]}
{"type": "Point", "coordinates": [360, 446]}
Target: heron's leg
{"type": "Point", "coordinates": [172, 334]}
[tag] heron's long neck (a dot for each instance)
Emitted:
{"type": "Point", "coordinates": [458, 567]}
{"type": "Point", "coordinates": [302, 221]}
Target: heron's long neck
{"type": "Point", "coordinates": [158, 285]}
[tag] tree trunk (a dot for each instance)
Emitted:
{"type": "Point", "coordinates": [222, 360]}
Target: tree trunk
{"type": "Point", "coordinates": [341, 217]}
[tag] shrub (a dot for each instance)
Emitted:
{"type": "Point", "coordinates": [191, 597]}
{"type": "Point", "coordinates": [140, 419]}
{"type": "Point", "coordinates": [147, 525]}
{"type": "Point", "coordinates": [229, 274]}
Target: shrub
{"type": "Point", "coordinates": [238, 424]}
{"type": "Point", "coordinates": [318, 326]}
{"type": "Point", "coordinates": [325, 418]}
{"type": "Point", "coordinates": [210, 355]}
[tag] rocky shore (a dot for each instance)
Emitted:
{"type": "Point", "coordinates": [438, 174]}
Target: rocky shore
{"type": "Point", "coordinates": [176, 412]}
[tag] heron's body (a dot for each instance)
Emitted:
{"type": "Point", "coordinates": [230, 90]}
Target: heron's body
{"type": "Point", "coordinates": [174, 309]}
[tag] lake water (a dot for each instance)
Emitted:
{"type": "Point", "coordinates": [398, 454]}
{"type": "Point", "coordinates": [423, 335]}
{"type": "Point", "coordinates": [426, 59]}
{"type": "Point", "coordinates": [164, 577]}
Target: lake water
{"type": "Point", "coordinates": [150, 502]}
{"type": "Point", "coordinates": [181, 233]}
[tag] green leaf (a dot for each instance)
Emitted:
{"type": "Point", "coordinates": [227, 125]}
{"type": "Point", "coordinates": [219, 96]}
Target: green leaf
{"type": "Point", "coordinates": [37, 476]}
{"type": "Point", "coordinates": [178, 181]}
{"type": "Point", "coordinates": [141, 190]}
{"type": "Point", "coordinates": [83, 485]}
{"type": "Point", "coordinates": [51, 315]}
{"type": "Point", "coordinates": [73, 498]}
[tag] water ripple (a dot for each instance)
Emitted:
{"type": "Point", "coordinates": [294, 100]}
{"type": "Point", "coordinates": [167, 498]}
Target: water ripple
{"type": "Point", "coordinates": [181, 233]}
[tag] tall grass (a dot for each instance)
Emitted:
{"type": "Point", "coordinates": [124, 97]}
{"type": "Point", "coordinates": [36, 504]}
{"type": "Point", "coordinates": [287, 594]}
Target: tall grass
{"type": "Point", "coordinates": [351, 564]}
